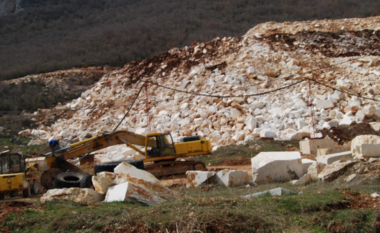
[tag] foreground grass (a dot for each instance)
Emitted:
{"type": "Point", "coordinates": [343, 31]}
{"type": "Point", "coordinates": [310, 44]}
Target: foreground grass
{"type": "Point", "coordinates": [220, 209]}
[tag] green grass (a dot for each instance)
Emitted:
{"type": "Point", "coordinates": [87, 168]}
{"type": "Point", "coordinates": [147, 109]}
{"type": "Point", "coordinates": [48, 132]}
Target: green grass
{"type": "Point", "coordinates": [221, 209]}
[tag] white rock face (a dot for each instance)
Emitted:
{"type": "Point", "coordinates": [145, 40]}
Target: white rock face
{"type": "Point", "coordinates": [306, 163]}
{"type": "Point", "coordinates": [196, 178]}
{"type": "Point", "coordinates": [365, 146]}
{"type": "Point", "coordinates": [232, 177]}
{"type": "Point", "coordinates": [276, 167]}
{"type": "Point", "coordinates": [83, 195]}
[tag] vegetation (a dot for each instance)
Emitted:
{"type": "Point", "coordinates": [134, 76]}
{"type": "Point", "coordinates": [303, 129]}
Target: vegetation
{"type": "Point", "coordinates": [220, 209]}
{"type": "Point", "coordinates": [57, 34]}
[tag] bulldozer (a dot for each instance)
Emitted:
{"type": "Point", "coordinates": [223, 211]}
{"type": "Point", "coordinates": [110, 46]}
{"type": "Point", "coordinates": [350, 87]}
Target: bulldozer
{"type": "Point", "coordinates": [157, 148]}
{"type": "Point", "coordinates": [15, 177]}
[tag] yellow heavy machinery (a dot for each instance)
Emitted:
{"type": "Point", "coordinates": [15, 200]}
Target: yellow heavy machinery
{"type": "Point", "coordinates": [14, 176]}
{"type": "Point", "coordinates": [157, 148]}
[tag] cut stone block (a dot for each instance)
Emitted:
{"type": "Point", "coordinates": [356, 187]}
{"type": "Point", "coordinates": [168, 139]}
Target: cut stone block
{"type": "Point", "coordinates": [139, 193]}
{"type": "Point", "coordinates": [365, 146]}
{"type": "Point", "coordinates": [276, 166]}
{"type": "Point", "coordinates": [332, 171]}
{"type": "Point", "coordinates": [306, 163]}
{"type": "Point", "coordinates": [329, 159]}
{"type": "Point", "coordinates": [311, 146]}
{"type": "Point", "coordinates": [328, 151]}
{"type": "Point", "coordinates": [272, 192]}
{"type": "Point", "coordinates": [103, 181]}
{"type": "Point", "coordinates": [232, 177]}
{"type": "Point", "coordinates": [196, 178]}
{"type": "Point", "coordinates": [39, 162]}
{"type": "Point", "coordinates": [132, 171]}
{"type": "Point", "coordinates": [82, 195]}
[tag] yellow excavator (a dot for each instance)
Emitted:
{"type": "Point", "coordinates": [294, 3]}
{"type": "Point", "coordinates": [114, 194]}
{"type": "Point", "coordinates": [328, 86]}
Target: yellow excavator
{"type": "Point", "coordinates": [157, 148]}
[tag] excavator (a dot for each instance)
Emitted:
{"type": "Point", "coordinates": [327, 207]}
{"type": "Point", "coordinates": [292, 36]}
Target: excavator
{"type": "Point", "coordinates": [157, 148]}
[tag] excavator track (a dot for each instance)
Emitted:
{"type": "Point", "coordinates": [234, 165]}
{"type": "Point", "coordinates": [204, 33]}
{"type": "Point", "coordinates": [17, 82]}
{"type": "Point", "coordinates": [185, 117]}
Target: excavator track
{"type": "Point", "coordinates": [174, 168]}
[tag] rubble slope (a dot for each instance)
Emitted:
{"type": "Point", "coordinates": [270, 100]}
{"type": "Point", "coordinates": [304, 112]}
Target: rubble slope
{"type": "Point", "coordinates": [280, 80]}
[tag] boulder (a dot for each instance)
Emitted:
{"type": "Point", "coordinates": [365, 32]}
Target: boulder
{"type": "Point", "coordinates": [232, 177]}
{"type": "Point", "coordinates": [314, 169]}
{"type": "Point", "coordinates": [324, 104]}
{"type": "Point", "coordinates": [144, 192]}
{"type": "Point", "coordinates": [311, 146]}
{"type": "Point", "coordinates": [86, 196]}
{"type": "Point", "coordinates": [276, 167]}
{"type": "Point", "coordinates": [196, 178]}
{"type": "Point", "coordinates": [365, 146]}
{"type": "Point", "coordinates": [332, 171]}
{"type": "Point", "coordinates": [329, 159]}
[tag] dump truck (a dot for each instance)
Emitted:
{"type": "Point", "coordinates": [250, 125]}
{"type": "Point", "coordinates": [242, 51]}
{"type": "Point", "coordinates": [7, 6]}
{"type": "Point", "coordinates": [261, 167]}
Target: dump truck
{"type": "Point", "coordinates": [157, 148]}
{"type": "Point", "coordinates": [15, 176]}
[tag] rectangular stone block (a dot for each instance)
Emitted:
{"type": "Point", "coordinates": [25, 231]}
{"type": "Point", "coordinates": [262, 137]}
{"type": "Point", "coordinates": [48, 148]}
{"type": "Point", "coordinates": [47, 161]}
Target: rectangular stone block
{"type": "Point", "coordinates": [311, 146]}
{"type": "Point", "coordinates": [306, 163]}
{"type": "Point", "coordinates": [327, 151]}
{"type": "Point", "coordinates": [368, 150]}
{"type": "Point", "coordinates": [232, 177]}
{"type": "Point", "coordinates": [196, 178]}
{"type": "Point", "coordinates": [276, 167]}
{"type": "Point", "coordinates": [329, 159]}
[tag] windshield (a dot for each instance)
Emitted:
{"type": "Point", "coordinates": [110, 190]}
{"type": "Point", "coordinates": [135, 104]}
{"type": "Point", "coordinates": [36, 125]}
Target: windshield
{"type": "Point", "coordinates": [10, 163]}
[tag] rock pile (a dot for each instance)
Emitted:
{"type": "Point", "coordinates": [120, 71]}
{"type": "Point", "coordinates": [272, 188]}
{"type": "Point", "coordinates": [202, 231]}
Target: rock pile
{"type": "Point", "coordinates": [343, 54]}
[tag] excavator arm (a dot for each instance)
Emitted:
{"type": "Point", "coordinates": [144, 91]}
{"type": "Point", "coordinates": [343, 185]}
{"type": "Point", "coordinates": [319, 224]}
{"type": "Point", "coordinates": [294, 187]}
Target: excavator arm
{"type": "Point", "coordinates": [102, 141]}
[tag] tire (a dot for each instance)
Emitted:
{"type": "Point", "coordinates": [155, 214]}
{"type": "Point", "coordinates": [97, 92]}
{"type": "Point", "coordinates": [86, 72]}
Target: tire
{"type": "Point", "coordinates": [26, 192]}
{"type": "Point", "coordinates": [110, 166]}
{"type": "Point", "coordinates": [86, 182]}
{"type": "Point", "coordinates": [68, 180]}
{"type": "Point", "coordinates": [35, 187]}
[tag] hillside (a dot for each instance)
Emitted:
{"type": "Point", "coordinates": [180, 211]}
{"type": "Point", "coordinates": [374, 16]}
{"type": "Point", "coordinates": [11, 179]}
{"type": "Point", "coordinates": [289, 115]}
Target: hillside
{"type": "Point", "coordinates": [280, 80]}
{"type": "Point", "coordinates": [41, 36]}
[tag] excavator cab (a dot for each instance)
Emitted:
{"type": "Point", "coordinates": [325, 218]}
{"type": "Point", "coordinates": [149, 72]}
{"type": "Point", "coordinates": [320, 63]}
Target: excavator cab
{"type": "Point", "coordinates": [160, 145]}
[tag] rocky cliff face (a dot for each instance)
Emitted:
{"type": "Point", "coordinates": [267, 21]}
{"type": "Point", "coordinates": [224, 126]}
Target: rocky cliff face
{"type": "Point", "coordinates": [10, 6]}
{"type": "Point", "coordinates": [280, 80]}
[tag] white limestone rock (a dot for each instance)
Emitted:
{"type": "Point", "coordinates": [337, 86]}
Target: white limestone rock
{"type": "Point", "coordinates": [276, 166]}
{"type": "Point", "coordinates": [196, 178]}
{"type": "Point", "coordinates": [324, 104]}
{"type": "Point", "coordinates": [232, 177]}
{"type": "Point", "coordinates": [311, 146]}
{"type": "Point", "coordinates": [332, 171]}
{"type": "Point", "coordinates": [304, 180]}
{"type": "Point", "coordinates": [143, 192]}
{"type": "Point", "coordinates": [267, 133]}
{"type": "Point", "coordinates": [329, 159]}
{"type": "Point", "coordinates": [86, 196]}
{"type": "Point", "coordinates": [272, 192]}
{"type": "Point", "coordinates": [314, 169]}
{"type": "Point", "coordinates": [365, 146]}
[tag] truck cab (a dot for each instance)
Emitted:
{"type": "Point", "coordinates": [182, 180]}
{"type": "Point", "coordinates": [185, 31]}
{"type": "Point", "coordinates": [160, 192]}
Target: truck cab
{"type": "Point", "coordinates": [13, 176]}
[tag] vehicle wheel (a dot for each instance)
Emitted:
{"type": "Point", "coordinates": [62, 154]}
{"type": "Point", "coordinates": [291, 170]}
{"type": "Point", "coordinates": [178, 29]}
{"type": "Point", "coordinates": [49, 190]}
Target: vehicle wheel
{"type": "Point", "coordinates": [109, 166]}
{"type": "Point", "coordinates": [86, 182]}
{"type": "Point", "coordinates": [68, 180]}
{"type": "Point", "coordinates": [35, 187]}
{"type": "Point", "coordinates": [2, 196]}
{"type": "Point", "coordinates": [26, 192]}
